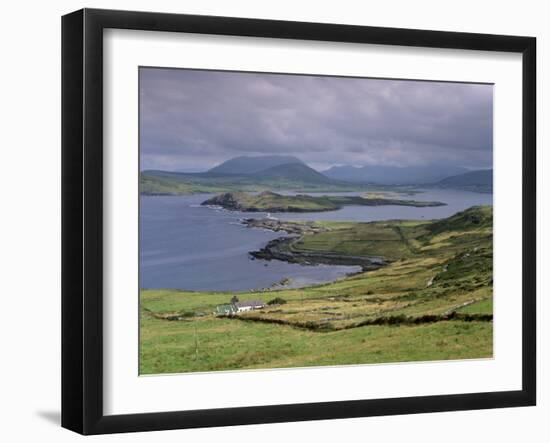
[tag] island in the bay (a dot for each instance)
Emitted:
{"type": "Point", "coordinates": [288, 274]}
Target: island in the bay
{"type": "Point", "coordinates": [384, 189]}
{"type": "Point", "coordinates": [272, 202]}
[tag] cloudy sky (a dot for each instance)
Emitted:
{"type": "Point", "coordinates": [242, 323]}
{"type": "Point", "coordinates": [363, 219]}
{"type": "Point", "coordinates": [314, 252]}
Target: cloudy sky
{"type": "Point", "coordinates": [191, 120]}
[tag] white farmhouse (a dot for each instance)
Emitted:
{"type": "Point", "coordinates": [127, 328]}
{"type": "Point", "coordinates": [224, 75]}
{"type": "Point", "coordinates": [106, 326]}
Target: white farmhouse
{"type": "Point", "coordinates": [249, 305]}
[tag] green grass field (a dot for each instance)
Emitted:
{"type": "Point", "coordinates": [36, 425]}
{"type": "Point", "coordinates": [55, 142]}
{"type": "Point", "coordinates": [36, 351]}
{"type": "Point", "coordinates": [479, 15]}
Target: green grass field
{"type": "Point", "coordinates": [432, 302]}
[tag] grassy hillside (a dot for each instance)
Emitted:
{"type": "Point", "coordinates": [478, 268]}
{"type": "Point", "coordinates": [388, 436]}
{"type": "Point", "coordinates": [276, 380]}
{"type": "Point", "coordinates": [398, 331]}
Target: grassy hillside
{"type": "Point", "coordinates": [272, 202]}
{"type": "Point", "coordinates": [432, 302]}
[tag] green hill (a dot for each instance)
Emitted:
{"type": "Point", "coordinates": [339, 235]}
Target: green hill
{"type": "Point", "coordinates": [479, 181]}
{"type": "Point", "coordinates": [476, 217]}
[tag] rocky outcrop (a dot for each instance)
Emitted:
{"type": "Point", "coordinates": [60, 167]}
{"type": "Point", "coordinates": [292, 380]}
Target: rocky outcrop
{"type": "Point", "coordinates": [281, 249]}
{"type": "Point", "coordinates": [227, 200]}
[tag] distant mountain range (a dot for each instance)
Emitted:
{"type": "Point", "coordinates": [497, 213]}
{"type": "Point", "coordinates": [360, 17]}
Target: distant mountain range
{"type": "Point", "coordinates": [278, 172]}
{"type": "Point", "coordinates": [479, 181]}
{"type": "Point", "coordinates": [393, 175]}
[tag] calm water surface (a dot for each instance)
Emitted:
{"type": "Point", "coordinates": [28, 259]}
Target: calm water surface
{"type": "Point", "coordinates": [187, 246]}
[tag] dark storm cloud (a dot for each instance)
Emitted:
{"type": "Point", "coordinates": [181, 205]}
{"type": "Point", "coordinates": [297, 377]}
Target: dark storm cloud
{"type": "Point", "coordinates": [193, 120]}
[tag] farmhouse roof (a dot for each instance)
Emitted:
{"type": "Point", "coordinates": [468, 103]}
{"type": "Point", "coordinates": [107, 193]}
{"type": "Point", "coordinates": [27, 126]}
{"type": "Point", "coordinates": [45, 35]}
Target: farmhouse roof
{"type": "Point", "coordinates": [250, 303]}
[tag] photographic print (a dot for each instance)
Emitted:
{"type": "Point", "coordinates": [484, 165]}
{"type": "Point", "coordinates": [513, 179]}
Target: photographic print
{"type": "Point", "coordinates": [291, 221]}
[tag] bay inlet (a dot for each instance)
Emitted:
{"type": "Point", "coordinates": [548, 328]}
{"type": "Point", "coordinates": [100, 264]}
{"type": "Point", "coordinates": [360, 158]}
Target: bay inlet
{"type": "Point", "coordinates": [187, 246]}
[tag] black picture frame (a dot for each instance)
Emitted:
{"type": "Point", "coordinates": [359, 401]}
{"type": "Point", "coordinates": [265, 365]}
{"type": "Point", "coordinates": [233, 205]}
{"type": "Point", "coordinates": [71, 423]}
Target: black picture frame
{"type": "Point", "coordinates": [82, 221]}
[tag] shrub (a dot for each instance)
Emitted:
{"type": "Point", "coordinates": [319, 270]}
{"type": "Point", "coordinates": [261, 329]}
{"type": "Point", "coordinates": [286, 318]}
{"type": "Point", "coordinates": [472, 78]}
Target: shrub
{"type": "Point", "coordinates": [277, 301]}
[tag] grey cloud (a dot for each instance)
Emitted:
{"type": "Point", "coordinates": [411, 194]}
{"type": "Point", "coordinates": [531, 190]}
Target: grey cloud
{"type": "Point", "coordinates": [192, 119]}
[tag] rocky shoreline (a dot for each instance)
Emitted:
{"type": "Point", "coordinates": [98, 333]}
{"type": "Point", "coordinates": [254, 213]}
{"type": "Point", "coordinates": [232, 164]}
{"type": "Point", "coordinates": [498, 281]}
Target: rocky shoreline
{"type": "Point", "coordinates": [281, 248]}
{"type": "Point", "coordinates": [290, 227]}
